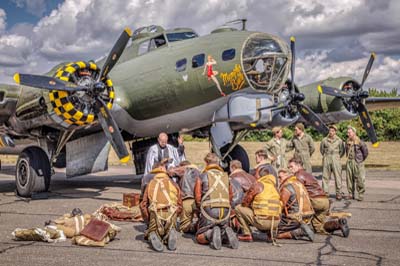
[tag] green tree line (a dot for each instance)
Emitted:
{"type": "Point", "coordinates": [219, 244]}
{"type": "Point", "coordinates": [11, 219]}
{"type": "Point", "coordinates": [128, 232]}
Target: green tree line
{"type": "Point", "coordinates": [386, 123]}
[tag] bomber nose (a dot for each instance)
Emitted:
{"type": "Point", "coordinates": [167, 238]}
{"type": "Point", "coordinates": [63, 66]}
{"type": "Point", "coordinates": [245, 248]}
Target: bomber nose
{"type": "Point", "coordinates": [266, 62]}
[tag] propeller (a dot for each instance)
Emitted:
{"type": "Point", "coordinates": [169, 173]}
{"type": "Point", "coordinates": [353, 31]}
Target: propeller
{"type": "Point", "coordinates": [355, 100]}
{"type": "Point", "coordinates": [296, 97]}
{"type": "Point", "coordinates": [95, 89]}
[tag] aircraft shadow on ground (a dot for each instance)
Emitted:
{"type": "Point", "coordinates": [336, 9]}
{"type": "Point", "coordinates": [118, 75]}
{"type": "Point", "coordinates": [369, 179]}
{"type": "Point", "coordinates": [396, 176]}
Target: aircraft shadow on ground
{"type": "Point", "coordinates": [77, 187]}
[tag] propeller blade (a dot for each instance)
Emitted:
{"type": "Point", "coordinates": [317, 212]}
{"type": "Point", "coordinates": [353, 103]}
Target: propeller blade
{"type": "Point", "coordinates": [368, 68]}
{"type": "Point", "coordinates": [47, 83]}
{"type": "Point", "coordinates": [111, 131]}
{"type": "Point", "coordinates": [367, 123]}
{"type": "Point", "coordinates": [312, 118]}
{"type": "Point", "coordinates": [115, 53]}
{"type": "Point", "coordinates": [292, 66]}
{"type": "Point", "coordinates": [333, 92]}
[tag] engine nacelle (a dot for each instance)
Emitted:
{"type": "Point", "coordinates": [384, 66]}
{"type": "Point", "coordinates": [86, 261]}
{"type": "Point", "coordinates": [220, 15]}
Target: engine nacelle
{"type": "Point", "coordinates": [77, 108]}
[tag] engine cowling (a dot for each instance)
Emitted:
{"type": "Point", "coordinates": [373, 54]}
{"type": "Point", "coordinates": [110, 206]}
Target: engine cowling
{"type": "Point", "coordinates": [77, 108]}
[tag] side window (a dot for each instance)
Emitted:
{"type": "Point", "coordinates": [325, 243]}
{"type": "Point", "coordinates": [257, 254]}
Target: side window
{"type": "Point", "coordinates": [143, 47]}
{"type": "Point", "coordinates": [228, 54]}
{"type": "Point", "coordinates": [181, 65]}
{"type": "Point", "coordinates": [198, 60]}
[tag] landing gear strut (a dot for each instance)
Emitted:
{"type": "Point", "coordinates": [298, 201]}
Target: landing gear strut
{"type": "Point", "coordinates": [33, 172]}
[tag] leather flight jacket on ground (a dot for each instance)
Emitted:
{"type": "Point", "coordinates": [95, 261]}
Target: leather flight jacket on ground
{"type": "Point", "coordinates": [311, 184]}
{"type": "Point", "coordinates": [245, 180]}
{"type": "Point", "coordinates": [356, 150]}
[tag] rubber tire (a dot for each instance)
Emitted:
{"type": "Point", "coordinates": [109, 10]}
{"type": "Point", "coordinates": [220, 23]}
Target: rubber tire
{"type": "Point", "coordinates": [238, 153]}
{"type": "Point", "coordinates": [33, 172]}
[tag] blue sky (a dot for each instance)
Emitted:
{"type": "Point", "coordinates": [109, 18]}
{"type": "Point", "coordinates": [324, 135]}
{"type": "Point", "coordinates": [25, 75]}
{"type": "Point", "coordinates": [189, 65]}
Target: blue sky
{"type": "Point", "coordinates": [20, 11]}
{"type": "Point", "coordinates": [334, 37]}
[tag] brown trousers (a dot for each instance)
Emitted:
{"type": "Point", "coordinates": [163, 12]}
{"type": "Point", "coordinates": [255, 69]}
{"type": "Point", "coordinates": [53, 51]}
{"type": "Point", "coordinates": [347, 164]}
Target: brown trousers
{"type": "Point", "coordinates": [186, 217]}
{"type": "Point", "coordinates": [321, 209]}
{"type": "Point", "coordinates": [159, 225]}
{"type": "Point", "coordinates": [246, 218]}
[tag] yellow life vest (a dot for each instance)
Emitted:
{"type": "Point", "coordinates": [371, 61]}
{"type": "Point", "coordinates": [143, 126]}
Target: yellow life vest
{"type": "Point", "coordinates": [267, 203]}
{"type": "Point", "coordinates": [162, 193]}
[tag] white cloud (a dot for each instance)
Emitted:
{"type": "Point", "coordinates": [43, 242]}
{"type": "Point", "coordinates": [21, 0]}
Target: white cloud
{"type": "Point", "coordinates": [334, 36]}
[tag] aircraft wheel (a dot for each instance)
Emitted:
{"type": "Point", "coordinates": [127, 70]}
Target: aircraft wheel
{"type": "Point", "coordinates": [238, 153]}
{"type": "Point", "coordinates": [33, 172]}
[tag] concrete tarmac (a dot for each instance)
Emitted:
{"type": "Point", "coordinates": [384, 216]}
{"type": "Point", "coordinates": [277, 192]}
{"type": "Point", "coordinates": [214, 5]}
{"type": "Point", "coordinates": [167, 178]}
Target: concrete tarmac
{"type": "Point", "coordinates": [374, 238]}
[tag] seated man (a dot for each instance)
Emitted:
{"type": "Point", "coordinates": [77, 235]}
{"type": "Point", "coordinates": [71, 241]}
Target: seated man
{"type": "Point", "coordinates": [261, 207]}
{"type": "Point", "coordinates": [319, 200]}
{"type": "Point", "coordinates": [161, 205]}
{"type": "Point", "coordinates": [262, 160]}
{"type": "Point", "coordinates": [297, 210]}
{"type": "Point", "coordinates": [187, 174]}
{"type": "Point", "coordinates": [245, 180]}
{"type": "Point", "coordinates": [212, 196]}
{"type": "Point", "coordinates": [158, 167]}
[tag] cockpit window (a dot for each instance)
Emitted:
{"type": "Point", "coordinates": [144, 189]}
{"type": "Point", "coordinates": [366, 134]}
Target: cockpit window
{"type": "Point", "coordinates": [198, 60]}
{"type": "Point", "coordinates": [179, 36]}
{"type": "Point", "coordinates": [264, 63]}
{"type": "Point", "coordinates": [143, 47]}
{"type": "Point", "coordinates": [181, 65]}
{"type": "Point", "coordinates": [151, 44]}
{"type": "Point", "coordinates": [228, 54]}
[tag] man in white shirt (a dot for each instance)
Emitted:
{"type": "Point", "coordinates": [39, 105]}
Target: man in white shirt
{"type": "Point", "coordinates": [163, 150]}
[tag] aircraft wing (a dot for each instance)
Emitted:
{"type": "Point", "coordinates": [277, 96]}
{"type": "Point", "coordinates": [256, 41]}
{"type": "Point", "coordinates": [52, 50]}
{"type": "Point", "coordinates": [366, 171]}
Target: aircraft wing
{"type": "Point", "coordinates": [379, 103]}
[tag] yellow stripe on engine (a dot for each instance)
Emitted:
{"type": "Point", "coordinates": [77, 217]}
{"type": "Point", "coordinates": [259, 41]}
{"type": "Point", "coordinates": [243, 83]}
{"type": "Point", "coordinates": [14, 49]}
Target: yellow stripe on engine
{"type": "Point", "coordinates": [109, 83]}
{"type": "Point", "coordinates": [81, 64]}
{"type": "Point", "coordinates": [64, 78]}
{"type": "Point", "coordinates": [51, 96]}
{"type": "Point", "coordinates": [90, 118]}
{"type": "Point", "coordinates": [69, 122]}
{"type": "Point", "coordinates": [79, 123]}
{"type": "Point", "coordinates": [57, 111]}
{"type": "Point", "coordinates": [68, 107]}
{"type": "Point", "coordinates": [78, 115]}
{"type": "Point", "coordinates": [109, 106]}
{"type": "Point", "coordinates": [111, 94]}
{"type": "Point", "coordinates": [92, 66]}
{"type": "Point", "coordinates": [62, 94]}
{"type": "Point", "coordinates": [59, 73]}
{"type": "Point", "coordinates": [70, 69]}
{"type": "Point", "coordinates": [58, 102]}
{"type": "Point", "coordinates": [67, 115]}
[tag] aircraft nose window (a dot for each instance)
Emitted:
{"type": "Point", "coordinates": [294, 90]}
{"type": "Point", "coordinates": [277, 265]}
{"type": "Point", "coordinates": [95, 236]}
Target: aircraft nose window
{"type": "Point", "coordinates": [264, 63]}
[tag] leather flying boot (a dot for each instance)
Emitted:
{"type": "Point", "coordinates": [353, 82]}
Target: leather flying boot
{"type": "Point", "coordinates": [337, 224]}
{"type": "Point", "coordinates": [216, 238]}
{"type": "Point", "coordinates": [232, 239]}
{"type": "Point", "coordinates": [344, 227]}
{"type": "Point", "coordinates": [172, 239]}
{"type": "Point", "coordinates": [156, 242]}
{"type": "Point", "coordinates": [309, 233]}
{"type": "Point", "coordinates": [284, 235]}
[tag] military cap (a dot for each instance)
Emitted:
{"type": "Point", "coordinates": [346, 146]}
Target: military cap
{"type": "Point", "coordinates": [352, 128]}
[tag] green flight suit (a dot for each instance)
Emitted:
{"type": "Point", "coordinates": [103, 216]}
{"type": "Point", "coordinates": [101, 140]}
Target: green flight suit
{"type": "Point", "coordinates": [276, 149]}
{"type": "Point", "coordinates": [355, 168]}
{"type": "Point", "coordinates": [332, 150]}
{"type": "Point", "coordinates": [303, 149]}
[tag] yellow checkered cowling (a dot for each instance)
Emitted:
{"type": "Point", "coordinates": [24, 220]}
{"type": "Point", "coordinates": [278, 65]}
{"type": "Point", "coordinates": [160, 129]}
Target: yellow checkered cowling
{"type": "Point", "coordinates": [60, 100]}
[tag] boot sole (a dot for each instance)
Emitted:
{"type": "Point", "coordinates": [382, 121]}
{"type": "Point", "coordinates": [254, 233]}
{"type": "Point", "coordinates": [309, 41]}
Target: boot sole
{"type": "Point", "coordinates": [156, 242]}
{"type": "Point", "coordinates": [172, 239]}
{"type": "Point", "coordinates": [216, 238]}
{"type": "Point", "coordinates": [308, 231]}
{"type": "Point", "coordinates": [232, 239]}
